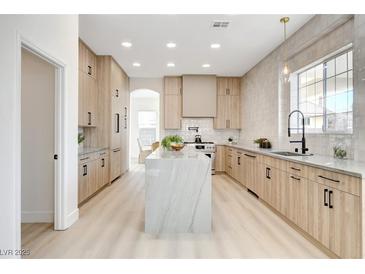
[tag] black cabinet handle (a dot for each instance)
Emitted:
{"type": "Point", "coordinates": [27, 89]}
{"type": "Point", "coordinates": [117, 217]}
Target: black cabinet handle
{"type": "Point", "coordinates": [116, 150]}
{"type": "Point", "coordinates": [268, 173]}
{"type": "Point", "coordinates": [294, 168]}
{"type": "Point", "coordinates": [117, 121]}
{"type": "Point", "coordinates": [330, 193]}
{"type": "Point", "coordinates": [85, 170]}
{"type": "Point", "coordinates": [116, 93]}
{"type": "Point", "coordinates": [248, 155]}
{"type": "Point", "coordinates": [83, 159]}
{"type": "Point", "coordinates": [89, 70]}
{"type": "Point", "coordinates": [295, 178]}
{"type": "Point", "coordinates": [89, 118]}
{"type": "Point", "coordinates": [125, 123]}
{"type": "Point", "coordinates": [239, 160]}
{"type": "Point", "coordinates": [325, 197]}
{"type": "Point", "coordinates": [102, 162]}
{"type": "Point", "coordinates": [329, 179]}
{"type": "Point", "coordinates": [125, 111]}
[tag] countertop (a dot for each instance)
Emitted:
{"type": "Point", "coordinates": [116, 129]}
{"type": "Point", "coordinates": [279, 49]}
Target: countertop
{"type": "Point", "coordinates": [87, 150]}
{"type": "Point", "coordinates": [185, 153]}
{"type": "Point", "coordinates": [349, 167]}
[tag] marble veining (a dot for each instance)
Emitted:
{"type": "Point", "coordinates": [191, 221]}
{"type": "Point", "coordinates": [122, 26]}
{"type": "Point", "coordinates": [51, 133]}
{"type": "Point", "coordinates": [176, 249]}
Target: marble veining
{"type": "Point", "coordinates": [178, 192]}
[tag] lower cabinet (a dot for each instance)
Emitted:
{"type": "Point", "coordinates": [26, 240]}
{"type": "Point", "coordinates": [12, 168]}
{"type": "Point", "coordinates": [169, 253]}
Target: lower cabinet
{"type": "Point", "coordinates": [93, 174]}
{"type": "Point", "coordinates": [334, 220]}
{"type": "Point", "coordinates": [115, 163]}
{"type": "Point", "coordinates": [324, 204]}
{"type": "Point", "coordinates": [220, 158]}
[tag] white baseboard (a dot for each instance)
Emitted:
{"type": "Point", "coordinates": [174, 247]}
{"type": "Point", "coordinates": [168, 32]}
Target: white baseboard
{"type": "Point", "coordinates": [37, 217]}
{"type": "Point", "coordinates": [72, 217]}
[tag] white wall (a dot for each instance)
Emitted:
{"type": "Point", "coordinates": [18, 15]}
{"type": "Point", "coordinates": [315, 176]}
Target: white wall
{"type": "Point", "coordinates": [38, 139]}
{"type": "Point", "coordinates": [58, 36]}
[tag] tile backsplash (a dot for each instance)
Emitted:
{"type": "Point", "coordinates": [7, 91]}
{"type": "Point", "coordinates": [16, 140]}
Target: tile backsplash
{"type": "Point", "coordinates": [206, 130]}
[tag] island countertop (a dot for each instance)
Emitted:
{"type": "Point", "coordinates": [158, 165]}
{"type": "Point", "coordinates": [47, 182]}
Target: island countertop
{"type": "Point", "coordinates": [178, 192]}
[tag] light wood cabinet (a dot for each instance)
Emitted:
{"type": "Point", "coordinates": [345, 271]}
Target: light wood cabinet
{"type": "Point", "coordinates": [334, 220]}
{"type": "Point", "coordinates": [102, 170]}
{"type": "Point", "coordinates": [220, 158]}
{"type": "Point", "coordinates": [87, 60]}
{"type": "Point", "coordinates": [115, 164]}
{"type": "Point", "coordinates": [228, 103]}
{"type": "Point", "coordinates": [87, 100]}
{"type": "Point", "coordinates": [229, 161]}
{"type": "Point", "coordinates": [249, 171]}
{"type": "Point", "coordinates": [297, 200]}
{"type": "Point", "coordinates": [172, 102]}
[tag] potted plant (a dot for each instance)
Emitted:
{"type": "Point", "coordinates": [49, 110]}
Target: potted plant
{"type": "Point", "coordinates": [172, 142]}
{"type": "Point", "coordinates": [80, 138]}
{"type": "Point", "coordinates": [262, 143]}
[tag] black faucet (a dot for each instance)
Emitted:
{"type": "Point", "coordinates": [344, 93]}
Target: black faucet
{"type": "Point", "coordinates": [304, 149]}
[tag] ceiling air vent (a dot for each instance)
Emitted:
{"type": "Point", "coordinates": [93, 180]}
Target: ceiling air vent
{"type": "Point", "coordinates": [220, 24]}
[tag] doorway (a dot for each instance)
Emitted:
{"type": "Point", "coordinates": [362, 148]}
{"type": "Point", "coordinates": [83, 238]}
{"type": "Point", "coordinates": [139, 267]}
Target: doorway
{"type": "Point", "coordinates": [38, 90]}
{"type": "Point", "coordinates": [144, 123]}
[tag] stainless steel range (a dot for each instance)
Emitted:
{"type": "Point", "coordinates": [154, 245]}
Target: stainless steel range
{"type": "Point", "coordinates": [208, 148]}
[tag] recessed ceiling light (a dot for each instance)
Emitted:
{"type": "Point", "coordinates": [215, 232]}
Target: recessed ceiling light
{"type": "Point", "coordinates": [206, 65]}
{"type": "Point", "coordinates": [171, 45]}
{"type": "Point", "coordinates": [215, 46]}
{"type": "Point", "coordinates": [136, 64]}
{"type": "Point", "coordinates": [170, 65]}
{"type": "Point", "coordinates": [127, 44]}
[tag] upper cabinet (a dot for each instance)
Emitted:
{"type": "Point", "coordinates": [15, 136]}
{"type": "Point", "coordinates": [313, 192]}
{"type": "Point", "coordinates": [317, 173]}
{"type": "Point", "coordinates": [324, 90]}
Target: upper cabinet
{"type": "Point", "coordinates": [172, 102]}
{"type": "Point", "coordinates": [88, 92]}
{"type": "Point", "coordinates": [228, 103]}
{"type": "Point", "coordinates": [87, 60]}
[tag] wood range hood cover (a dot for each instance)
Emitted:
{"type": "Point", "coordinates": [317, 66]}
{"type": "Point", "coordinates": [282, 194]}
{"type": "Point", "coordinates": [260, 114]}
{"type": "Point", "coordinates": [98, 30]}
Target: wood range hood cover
{"type": "Point", "coordinates": [199, 96]}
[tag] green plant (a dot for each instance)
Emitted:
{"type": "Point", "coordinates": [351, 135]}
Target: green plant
{"type": "Point", "coordinates": [168, 140]}
{"type": "Point", "coordinates": [259, 140]}
{"type": "Point", "coordinates": [339, 152]}
{"type": "Point", "coordinates": [80, 138]}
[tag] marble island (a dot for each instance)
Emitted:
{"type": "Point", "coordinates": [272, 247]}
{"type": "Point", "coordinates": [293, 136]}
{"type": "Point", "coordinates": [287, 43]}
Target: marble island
{"type": "Point", "coordinates": [178, 192]}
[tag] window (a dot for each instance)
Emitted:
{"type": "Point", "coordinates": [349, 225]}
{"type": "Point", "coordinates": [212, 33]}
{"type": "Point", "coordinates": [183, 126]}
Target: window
{"type": "Point", "coordinates": [147, 127]}
{"type": "Point", "coordinates": [324, 93]}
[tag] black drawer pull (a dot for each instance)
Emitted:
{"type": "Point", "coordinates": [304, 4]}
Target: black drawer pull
{"type": "Point", "coordinates": [329, 179]}
{"type": "Point", "coordinates": [83, 159]}
{"type": "Point", "coordinates": [248, 155]}
{"type": "Point", "coordinates": [116, 93]}
{"type": "Point", "coordinates": [268, 173]}
{"type": "Point", "coordinates": [294, 168]}
{"type": "Point", "coordinates": [89, 70]}
{"type": "Point", "coordinates": [330, 199]}
{"type": "Point", "coordinates": [239, 160]}
{"type": "Point", "coordinates": [102, 162]}
{"type": "Point", "coordinates": [325, 197]}
{"type": "Point", "coordinates": [89, 118]}
{"type": "Point", "coordinates": [116, 150]}
{"type": "Point", "coordinates": [85, 170]}
{"type": "Point", "coordinates": [295, 178]}
{"type": "Point", "coordinates": [117, 122]}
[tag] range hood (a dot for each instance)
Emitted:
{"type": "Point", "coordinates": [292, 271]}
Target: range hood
{"type": "Point", "coordinates": [199, 96]}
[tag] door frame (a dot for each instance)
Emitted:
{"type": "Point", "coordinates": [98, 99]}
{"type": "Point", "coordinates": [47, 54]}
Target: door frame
{"type": "Point", "coordinates": [60, 185]}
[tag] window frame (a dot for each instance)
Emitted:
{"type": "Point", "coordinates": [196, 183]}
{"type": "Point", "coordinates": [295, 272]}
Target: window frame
{"type": "Point", "coordinates": [324, 61]}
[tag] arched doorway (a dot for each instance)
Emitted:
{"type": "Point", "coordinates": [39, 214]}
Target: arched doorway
{"type": "Point", "coordinates": [144, 121]}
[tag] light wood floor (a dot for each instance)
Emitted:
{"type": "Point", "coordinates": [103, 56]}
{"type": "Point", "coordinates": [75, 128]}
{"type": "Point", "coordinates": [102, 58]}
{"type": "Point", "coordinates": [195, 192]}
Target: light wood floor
{"type": "Point", "coordinates": [111, 226]}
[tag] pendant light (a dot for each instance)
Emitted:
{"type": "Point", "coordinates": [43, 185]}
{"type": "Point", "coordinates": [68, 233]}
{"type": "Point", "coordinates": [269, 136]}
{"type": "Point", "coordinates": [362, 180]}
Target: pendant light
{"type": "Point", "coordinates": [285, 71]}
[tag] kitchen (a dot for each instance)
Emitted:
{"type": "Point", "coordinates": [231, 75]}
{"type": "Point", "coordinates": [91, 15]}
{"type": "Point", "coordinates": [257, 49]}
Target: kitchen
{"type": "Point", "coordinates": [256, 148]}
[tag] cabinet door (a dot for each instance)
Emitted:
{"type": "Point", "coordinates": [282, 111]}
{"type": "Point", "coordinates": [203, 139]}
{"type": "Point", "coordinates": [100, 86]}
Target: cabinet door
{"type": "Point", "coordinates": [102, 171]}
{"type": "Point", "coordinates": [82, 57]}
{"type": "Point", "coordinates": [297, 189]}
{"type": "Point", "coordinates": [220, 158]}
{"type": "Point", "coordinates": [82, 99]}
{"type": "Point", "coordinates": [222, 85]}
{"type": "Point", "coordinates": [115, 164]}
{"type": "Point", "coordinates": [233, 112]}
{"type": "Point", "coordinates": [92, 101]}
{"type": "Point", "coordinates": [116, 129]}
{"type": "Point", "coordinates": [318, 214]}
{"type": "Point", "coordinates": [172, 111]}
{"type": "Point", "coordinates": [236, 165]}
{"type": "Point", "coordinates": [220, 121]}
{"type": "Point", "coordinates": [272, 187]}
{"type": "Point", "coordinates": [87, 100]}
{"type": "Point", "coordinates": [345, 224]}
{"type": "Point", "coordinates": [234, 86]}
{"type": "Point", "coordinates": [249, 171]}
{"type": "Point", "coordinates": [229, 161]}
{"type": "Point", "coordinates": [91, 64]}
{"type": "Point", "coordinates": [83, 182]}
{"type": "Point", "coordinates": [173, 85]}
{"type": "Point", "coordinates": [93, 180]}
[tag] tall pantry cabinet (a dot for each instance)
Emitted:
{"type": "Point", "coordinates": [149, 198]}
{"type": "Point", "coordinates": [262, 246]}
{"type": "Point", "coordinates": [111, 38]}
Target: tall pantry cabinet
{"type": "Point", "coordinates": [113, 103]}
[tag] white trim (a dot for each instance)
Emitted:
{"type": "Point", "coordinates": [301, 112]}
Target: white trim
{"type": "Point", "coordinates": [72, 217]}
{"type": "Point", "coordinates": [37, 216]}
{"type": "Point", "coordinates": [60, 215]}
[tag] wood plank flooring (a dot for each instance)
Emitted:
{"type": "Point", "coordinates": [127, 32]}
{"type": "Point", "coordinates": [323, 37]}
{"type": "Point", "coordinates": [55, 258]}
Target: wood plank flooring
{"type": "Point", "coordinates": [111, 226]}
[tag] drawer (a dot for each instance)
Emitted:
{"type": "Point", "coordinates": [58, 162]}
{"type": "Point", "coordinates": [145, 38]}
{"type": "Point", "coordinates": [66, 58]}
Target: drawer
{"type": "Point", "coordinates": [336, 180]}
{"type": "Point", "coordinates": [274, 162]}
{"type": "Point", "coordinates": [103, 153]}
{"type": "Point", "coordinates": [87, 158]}
{"type": "Point", "coordinates": [297, 169]}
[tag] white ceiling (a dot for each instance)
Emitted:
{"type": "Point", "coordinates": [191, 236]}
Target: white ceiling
{"type": "Point", "coordinates": [247, 40]}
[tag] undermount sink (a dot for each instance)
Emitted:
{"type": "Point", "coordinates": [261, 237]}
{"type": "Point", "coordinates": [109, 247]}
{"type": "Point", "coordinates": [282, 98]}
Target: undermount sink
{"type": "Point", "coordinates": [289, 153]}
